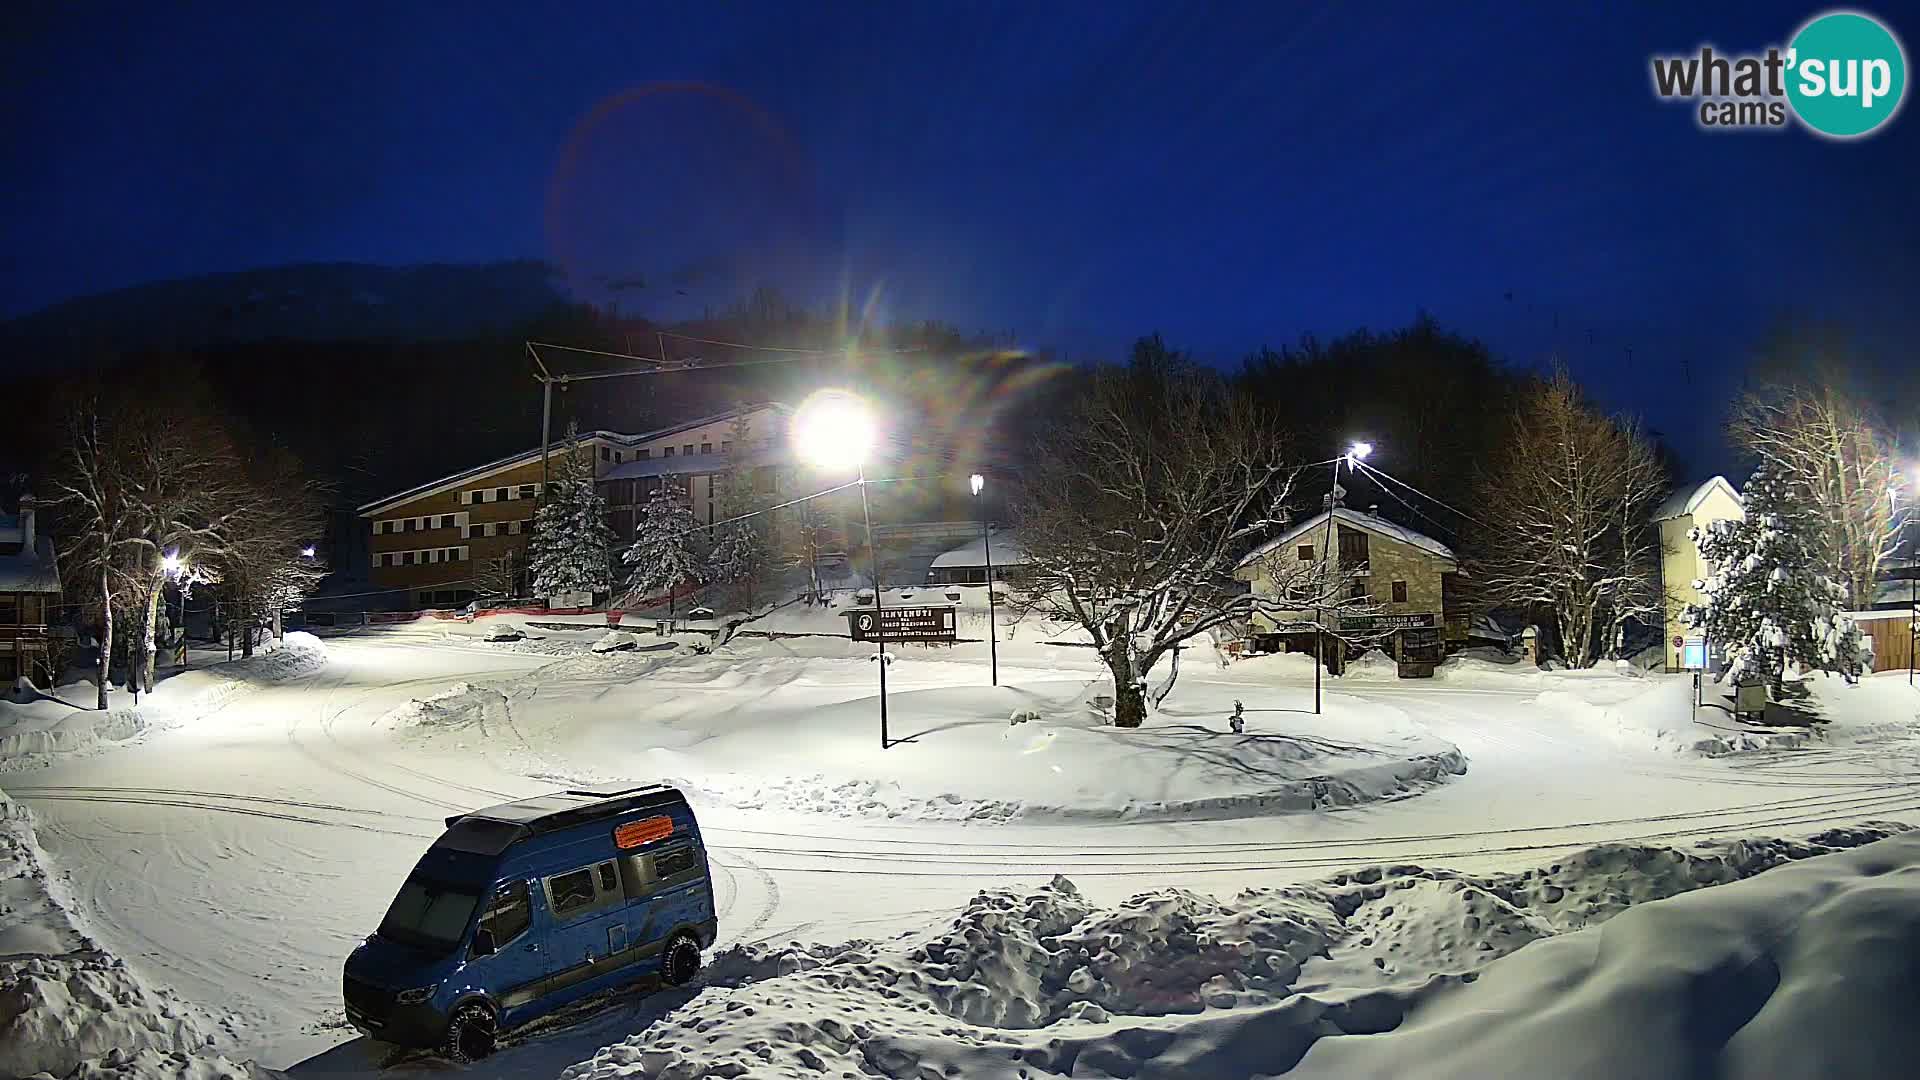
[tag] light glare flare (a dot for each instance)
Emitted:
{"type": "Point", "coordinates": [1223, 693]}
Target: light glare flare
{"type": "Point", "coordinates": [833, 430]}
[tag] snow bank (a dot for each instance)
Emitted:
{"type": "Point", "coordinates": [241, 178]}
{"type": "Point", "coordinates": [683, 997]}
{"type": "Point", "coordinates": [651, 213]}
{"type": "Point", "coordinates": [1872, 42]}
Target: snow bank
{"type": "Point", "coordinates": [67, 1007]}
{"type": "Point", "coordinates": [1372, 664]}
{"type": "Point", "coordinates": [66, 723]}
{"type": "Point", "coordinates": [461, 705]}
{"type": "Point", "coordinates": [1174, 984]}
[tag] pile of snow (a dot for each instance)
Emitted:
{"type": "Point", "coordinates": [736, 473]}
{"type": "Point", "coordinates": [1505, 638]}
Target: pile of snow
{"type": "Point", "coordinates": [1373, 664]}
{"type": "Point", "coordinates": [503, 631]}
{"type": "Point", "coordinates": [67, 1007]}
{"type": "Point", "coordinates": [1170, 983]}
{"type": "Point", "coordinates": [955, 756]}
{"type": "Point", "coordinates": [462, 705]}
{"type": "Point", "coordinates": [65, 722]}
{"type": "Point", "coordinates": [616, 640]}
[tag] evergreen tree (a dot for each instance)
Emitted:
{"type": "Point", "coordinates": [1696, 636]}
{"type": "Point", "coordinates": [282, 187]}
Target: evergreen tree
{"type": "Point", "coordinates": [663, 556]}
{"type": "Point", "coordinates": [571, 548]}
{"type": "Point", "coordinates": [1769, 599]}
{"type": "Point", "coordinates": [742, 555]}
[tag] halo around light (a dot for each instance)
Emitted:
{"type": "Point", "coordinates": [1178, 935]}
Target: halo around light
{"type": "Point", "coordinates": [833, 429]}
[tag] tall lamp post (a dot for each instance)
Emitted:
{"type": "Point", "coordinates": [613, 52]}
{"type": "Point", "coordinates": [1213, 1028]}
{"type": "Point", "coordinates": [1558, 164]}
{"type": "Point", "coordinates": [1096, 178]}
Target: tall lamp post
{"type": "Point", "coordinates": [977, 482]}
{"type": "Point", "coordinates": [834, 430]}
{"type": "Point", "coordinates": [174, 566]}
{"type": "Point", "coordinates": [1329, 557]}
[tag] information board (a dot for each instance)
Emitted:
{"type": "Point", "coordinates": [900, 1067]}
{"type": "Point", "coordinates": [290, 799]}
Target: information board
{"type": "Point", "coordinates": [903, 623]}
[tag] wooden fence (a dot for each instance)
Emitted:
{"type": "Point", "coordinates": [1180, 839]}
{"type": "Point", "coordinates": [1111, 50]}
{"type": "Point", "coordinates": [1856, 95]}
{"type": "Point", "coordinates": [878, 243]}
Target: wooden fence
{"type": "Point", "coordinates": [1892, 634]}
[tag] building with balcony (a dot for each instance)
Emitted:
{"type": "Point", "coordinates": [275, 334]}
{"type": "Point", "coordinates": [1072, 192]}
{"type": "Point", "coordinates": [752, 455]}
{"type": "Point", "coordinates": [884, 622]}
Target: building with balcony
{"type": "Point", "coordinates": [29, 592]}
{"type": "Point", "coordinates": [1407, 578]}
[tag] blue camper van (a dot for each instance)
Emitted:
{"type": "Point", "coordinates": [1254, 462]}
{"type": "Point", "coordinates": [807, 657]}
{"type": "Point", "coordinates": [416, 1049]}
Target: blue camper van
{"type": "Point", "coordinates": [521, 908]}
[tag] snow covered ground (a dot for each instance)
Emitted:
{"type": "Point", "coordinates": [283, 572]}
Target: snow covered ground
{"type": "Point", "coordinates": [234, 857]}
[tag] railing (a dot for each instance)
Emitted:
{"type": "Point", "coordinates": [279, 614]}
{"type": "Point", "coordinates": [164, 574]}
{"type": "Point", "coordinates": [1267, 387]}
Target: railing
{"type": "Point", "coordinates": [9, 631]}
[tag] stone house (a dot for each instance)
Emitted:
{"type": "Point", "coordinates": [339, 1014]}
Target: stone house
{"type": "Point", "coordinates": [1407, 577]}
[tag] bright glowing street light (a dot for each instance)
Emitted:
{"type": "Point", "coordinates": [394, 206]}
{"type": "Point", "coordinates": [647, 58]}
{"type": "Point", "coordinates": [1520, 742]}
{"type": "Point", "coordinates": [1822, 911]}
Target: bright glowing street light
{"type": "Point", "coordinates": [834, 430]}
{"type": "Point", "coordinates": [976, 482]}
{"type": "Point", "coordinates": [172, 564]}
{"type": "Point", "coordinates": [1359, 451]}
{"type": "Point", "coordinates": [307, 552]}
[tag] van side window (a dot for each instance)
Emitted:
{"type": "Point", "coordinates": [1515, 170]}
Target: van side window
{"type": "Point", "coordinates": [571, 892]}
{"type": "Point", "coordinates": [644, 875]}
{"type": "Point", "coordinates": [508, 914]}
{"type": "Point", "coordinates": [608, 883]}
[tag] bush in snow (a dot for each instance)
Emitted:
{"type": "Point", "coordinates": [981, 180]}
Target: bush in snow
{"type": "Point", "coordinates": [571, 548]}
{"type": "Point", "coordinates": [1770, 600]}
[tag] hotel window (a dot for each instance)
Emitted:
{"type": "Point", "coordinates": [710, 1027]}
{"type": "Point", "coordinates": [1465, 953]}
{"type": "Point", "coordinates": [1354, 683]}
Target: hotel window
{"type": "Point", "coordinates": [606, 454]}
{"type": "Point", "coordinates": [1306, 552]}
{"type": "Point", "coordinates": [1353, 549]}
{"type": "Point", "coordinates": [526, 491]}
{"type": "Point", "coordinates": [480, 496]}
{"type": "Point", "coordinates": [642, 454]}
{"type": "Point", "coordinates": [726, 446]}
{"type": "Point", "coordinates": [706, 448]}
{"type": "Point", "coordinates": [499, 494]}
{"type": "Point", "coordinates": [1399, 592]}
{"type": "Point", "coordinates": [687, 449]}
{"type": "Point", "coordinates": [446, 521]}
{"type": "Point", "coordinates": [668, 452]}
{"type": "Point", "coordinates": [1357, 589]}
{"type": "Point", "coordinates": [513, 528]}
{"type": "Point", "coordinates": [616, 457]}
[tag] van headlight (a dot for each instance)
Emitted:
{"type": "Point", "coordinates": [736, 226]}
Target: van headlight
{"type": "Point", "coordinates": [413, 997]}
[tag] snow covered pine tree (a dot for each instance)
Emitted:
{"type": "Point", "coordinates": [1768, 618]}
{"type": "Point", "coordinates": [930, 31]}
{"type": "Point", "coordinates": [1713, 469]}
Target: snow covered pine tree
{"type": "Point", "coordinates": [662, 554]}
{"type": "Point", "coordinates": [572, 545]}
{"type": "Point", "coordinates": [1770, 602]}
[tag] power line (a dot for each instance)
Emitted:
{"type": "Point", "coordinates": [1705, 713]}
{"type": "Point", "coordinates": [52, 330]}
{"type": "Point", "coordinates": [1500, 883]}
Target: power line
{"type": "Point", "coordinates": [1370, 470]}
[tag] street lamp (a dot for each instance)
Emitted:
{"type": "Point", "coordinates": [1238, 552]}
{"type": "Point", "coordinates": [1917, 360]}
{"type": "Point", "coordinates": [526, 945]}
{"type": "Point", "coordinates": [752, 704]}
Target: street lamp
{"type": "Point", "coordinates": [977, 482]}
{"type": "Point", "coordinates": [833, 429]}
{"type": "Point", "coordinates": [174, 566]}
{"type": "Point", "coordinates": [308, 552]}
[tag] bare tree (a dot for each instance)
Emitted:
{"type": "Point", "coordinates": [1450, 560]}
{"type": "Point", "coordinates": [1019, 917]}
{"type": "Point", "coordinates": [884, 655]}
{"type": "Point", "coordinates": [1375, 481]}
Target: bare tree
{"type": "Point", "coordinates": [1137, 509]}
{"type": "Point", "coordinates": [1566, 519]}
{"type": "Point", "coordinates": [1817, 438]}
{"type": "Point", "coordinates": [260, 561]}
{"type": "Point", "coordinates": [89, 492]}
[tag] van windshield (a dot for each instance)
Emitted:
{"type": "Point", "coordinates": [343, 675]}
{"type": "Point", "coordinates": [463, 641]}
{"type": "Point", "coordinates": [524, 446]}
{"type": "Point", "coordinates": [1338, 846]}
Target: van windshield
{"type": "Point", "coordinates": [429, 914]}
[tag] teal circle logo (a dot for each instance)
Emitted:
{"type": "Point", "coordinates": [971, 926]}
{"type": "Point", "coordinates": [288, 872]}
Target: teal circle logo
{"type": "Point", "coordinates": [1846, 74]}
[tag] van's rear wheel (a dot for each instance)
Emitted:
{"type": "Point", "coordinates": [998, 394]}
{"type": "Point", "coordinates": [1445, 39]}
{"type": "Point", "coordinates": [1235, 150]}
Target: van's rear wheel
{"type": "Point", "coordinates": [682, 960]}
{"type": "Point", "coordinates": [470, 1034]}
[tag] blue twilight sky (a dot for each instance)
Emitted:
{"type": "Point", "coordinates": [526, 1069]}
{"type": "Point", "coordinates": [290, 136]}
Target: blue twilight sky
{"type": "Point", "coordinates": [1073, 173]}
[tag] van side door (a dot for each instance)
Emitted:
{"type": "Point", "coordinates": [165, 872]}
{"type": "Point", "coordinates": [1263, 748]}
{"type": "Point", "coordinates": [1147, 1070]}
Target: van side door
{"type": "Point", "coordinates": [506, 957]}
{"type": "Point", "coordinates": [589, 935]}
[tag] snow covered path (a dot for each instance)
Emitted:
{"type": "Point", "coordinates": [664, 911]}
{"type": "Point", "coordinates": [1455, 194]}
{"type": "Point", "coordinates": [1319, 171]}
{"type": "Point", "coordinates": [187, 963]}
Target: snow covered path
{"type": "Point", "coordinates": [237, 859]}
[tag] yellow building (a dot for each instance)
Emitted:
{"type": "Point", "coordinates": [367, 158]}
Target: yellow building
{"type": "Point", "coordinates": [1680, 562]}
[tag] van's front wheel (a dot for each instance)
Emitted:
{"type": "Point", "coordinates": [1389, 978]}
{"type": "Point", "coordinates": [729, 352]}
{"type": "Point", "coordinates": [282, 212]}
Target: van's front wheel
{"type": "Point", "coordinates": [470, 1034]}
{"type": "Point", "coordinates": [682, 960]}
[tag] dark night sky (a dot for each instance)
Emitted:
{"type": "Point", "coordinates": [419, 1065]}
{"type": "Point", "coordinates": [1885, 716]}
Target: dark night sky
{"type": "Point", "coordinates": [1075, 173]}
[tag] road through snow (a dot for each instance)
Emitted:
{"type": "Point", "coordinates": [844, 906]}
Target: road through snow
{"type": "Point", "coordinates": [237, 859]}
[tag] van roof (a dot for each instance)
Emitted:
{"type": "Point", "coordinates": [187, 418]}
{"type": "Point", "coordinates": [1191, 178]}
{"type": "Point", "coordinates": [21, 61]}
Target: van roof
{"type": "Point", "coordinates": [575, 806]}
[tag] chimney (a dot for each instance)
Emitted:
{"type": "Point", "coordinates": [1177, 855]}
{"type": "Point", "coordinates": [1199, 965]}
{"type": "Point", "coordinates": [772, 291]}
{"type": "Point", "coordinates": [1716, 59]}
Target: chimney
{"type": "Point", "coordinates": [1373, 510]}
{"type": "Point", "coordinates": [27, 506]}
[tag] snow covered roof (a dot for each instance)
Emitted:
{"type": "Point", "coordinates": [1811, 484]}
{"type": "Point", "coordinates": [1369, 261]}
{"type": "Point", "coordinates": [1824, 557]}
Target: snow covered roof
{"type": "Point", "coordinates": [1006, 552]}
{"type": "Point", "coordinates": [30, 572]}
{"type": "Point", "coordinates": [1684, 503]}
{"type": "Point", "coordinates": [526, 456]}
{"type": "Point", "coordinates": [685, 464]}
{"type": "Point", "coordinates": [1372, 523]}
